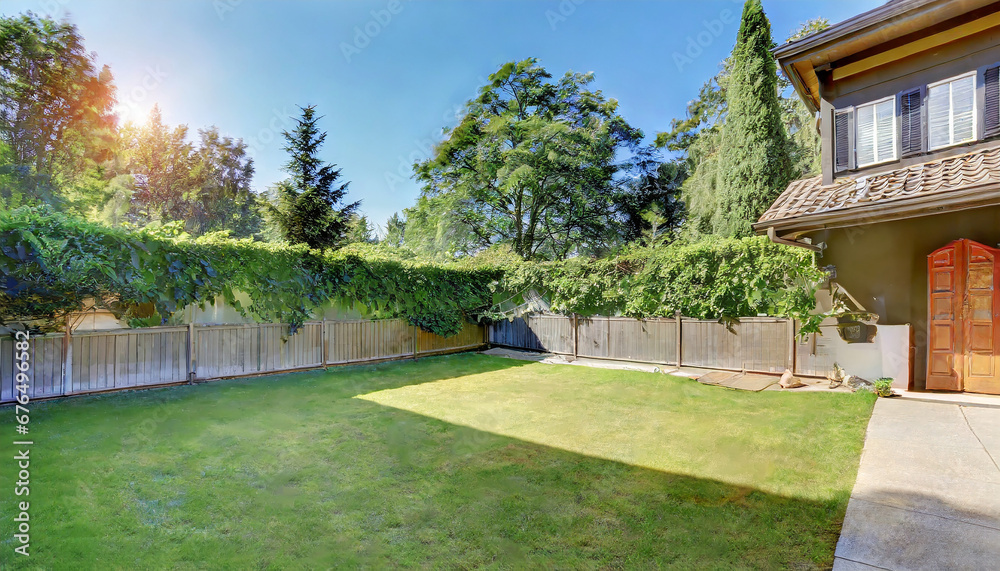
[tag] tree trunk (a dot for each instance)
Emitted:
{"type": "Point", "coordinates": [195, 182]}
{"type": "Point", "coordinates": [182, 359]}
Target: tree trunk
{"type": "Point", "coordinates": [519, 226]}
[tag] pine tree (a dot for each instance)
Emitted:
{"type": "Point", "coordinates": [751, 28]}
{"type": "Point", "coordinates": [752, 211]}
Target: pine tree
{"type": "Point", "coordinates": [308, 206]}
{"type": "Point", "coordinates": [754, 162]}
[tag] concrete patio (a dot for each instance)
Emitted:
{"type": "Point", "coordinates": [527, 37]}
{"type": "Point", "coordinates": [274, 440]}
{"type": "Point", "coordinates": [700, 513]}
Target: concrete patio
{"type": "Point", "coordinates": [928, 489]}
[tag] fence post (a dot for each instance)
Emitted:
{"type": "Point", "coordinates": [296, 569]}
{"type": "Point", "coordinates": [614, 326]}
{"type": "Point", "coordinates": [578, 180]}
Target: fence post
{"type": "Point", "coordinates": [67, 360]}
{"type": "Point", "coordinates": [191, 363]}
{"type": "Point", "coordinates": [416, 343]}
{"type": "Point", "coordinates": [607, 338]}
{"type": "Point", "coordinates": [677, 322]}
{"type": "Point", "coordinates": [791, 344]}
{"type": "Point", "coordinates": [324, 345]}
{"type": "Point", "coordinates": [576, 334]}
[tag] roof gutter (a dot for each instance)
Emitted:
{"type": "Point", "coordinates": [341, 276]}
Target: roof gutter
{"type": "Point", "coordinates": [773, 236]}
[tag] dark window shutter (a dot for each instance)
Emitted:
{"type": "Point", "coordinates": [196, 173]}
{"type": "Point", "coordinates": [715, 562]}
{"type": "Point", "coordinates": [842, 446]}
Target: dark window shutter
{"type": "Point", "coordinates": [911, 132]}
{"type": "Point", "coordinates": [991, 108]}
{"type": "Point", "coordinates": [843, 147]}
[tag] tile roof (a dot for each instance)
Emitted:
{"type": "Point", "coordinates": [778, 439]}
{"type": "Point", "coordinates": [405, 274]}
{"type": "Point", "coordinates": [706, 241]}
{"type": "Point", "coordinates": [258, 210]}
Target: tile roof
{"type": "Point", "coordinates": [809, 196]}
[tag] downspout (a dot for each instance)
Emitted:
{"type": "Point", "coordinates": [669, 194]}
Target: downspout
{"type": "Point", "coordinates": [773, 236]}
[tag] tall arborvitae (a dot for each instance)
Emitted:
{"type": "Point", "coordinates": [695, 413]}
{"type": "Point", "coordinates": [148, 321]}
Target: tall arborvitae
{"type": "Point", "coordinates": [754, 162]}
{"type": "Point", "coordinates": [308, 205]}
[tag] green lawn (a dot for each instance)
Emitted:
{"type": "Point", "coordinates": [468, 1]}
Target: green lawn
{"type": "Point", "coordinates": [464, 461]}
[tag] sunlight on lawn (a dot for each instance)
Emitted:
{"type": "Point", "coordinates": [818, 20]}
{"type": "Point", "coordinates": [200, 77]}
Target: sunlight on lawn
{"type": "Point", "coordinates": [778, 443]}
{"type": "Point", "coordinates": [463, 461]}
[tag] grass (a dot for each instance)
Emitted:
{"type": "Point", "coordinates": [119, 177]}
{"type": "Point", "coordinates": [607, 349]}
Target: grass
{"type": "Point", "coordinates": [464, 461]}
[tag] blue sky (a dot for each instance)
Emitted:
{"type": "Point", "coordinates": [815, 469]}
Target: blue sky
{"type": "Point", "coordinates": [387, 75]}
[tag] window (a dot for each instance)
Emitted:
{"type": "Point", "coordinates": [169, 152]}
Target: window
{"type": "Point", "coordinates": [951, 111]}
{"type": "Point", "coordinates": [876, 132]}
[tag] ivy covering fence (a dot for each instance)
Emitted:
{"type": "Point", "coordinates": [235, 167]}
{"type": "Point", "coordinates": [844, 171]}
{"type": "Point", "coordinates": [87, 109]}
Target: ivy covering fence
{"type": "Point", "coordinates": [715, 278]}
{"type": "Point", "coordinates": [52, 263]}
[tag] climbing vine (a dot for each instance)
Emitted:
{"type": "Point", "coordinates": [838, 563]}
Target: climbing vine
{"type": "Point", "coordinates": [714, 278]}
{"type": "Point", "coordinates": [52, 263]}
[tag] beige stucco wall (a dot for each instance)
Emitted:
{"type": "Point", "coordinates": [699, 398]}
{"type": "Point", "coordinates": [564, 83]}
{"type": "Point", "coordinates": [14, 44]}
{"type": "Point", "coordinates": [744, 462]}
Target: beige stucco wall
{"type": "Point", "coordinates": [884, 265]}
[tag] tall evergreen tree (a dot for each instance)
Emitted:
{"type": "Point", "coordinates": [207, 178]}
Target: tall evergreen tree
{"type": "Point", "coordinates": [308, 207]}
{"type": "Point", "coordinates": [754, 162]}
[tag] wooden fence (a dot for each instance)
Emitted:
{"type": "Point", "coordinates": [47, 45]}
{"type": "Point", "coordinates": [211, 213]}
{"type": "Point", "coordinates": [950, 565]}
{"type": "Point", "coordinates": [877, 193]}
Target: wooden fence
{"type": "Point", "coordinates": [754, 344]}
{"type": "Point", "coordinates": [128, 358]}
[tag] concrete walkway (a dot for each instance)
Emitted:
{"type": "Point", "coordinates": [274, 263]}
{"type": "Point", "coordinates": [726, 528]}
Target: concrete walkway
{"type": "Point", "coordinates": [928, 490]}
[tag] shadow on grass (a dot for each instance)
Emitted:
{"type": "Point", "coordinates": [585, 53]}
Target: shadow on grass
{"type": "Point", "coordinates": [292, 472]}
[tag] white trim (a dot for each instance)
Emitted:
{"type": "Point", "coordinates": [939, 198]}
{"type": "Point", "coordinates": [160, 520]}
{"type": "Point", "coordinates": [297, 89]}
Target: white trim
{"type": "Point", "coordinates": [951, 111]}
{"type": "Point", "coordinates": [893, 131]}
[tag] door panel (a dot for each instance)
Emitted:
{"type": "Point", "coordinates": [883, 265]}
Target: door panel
{"type": "Point", "coordinates": [981, 374]}
{"type": "Point", "coordinates": [944, 369]}
{"type": "Point", "coordinates": [964, 309]}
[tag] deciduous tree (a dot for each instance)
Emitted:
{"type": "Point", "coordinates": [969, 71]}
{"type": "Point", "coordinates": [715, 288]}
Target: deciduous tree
{"type": "Point", "coordinates": [532, 164]}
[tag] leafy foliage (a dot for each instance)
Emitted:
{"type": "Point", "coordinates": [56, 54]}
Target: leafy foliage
{"type": "Point", "coordinates": [709, 279]}
{"type": "Point", "coordinates": [395, 230]}
{"type": "Point", "coordinates": [883, 387]}
{"type": "Point", "coordinates": [207, 185]}
{"type": "Point", "coordinates": [56, 117]}
{"type": "Point", "coordinates": [649, 206]}
{"type": "Point", "coordinates": [531, 164]}
{"type": "Point", "coordinates": [53, 263]}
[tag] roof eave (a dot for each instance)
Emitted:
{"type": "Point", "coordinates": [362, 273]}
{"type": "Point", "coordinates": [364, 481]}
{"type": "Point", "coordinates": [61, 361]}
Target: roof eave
{"type": "Point", "coordinates": [847, 27]}
{"type": "Point", "coordinates": [974, 196]}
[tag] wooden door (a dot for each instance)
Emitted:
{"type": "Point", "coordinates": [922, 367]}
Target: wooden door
{"type": "Point", "coordinates": [964, 311]}
{"type": "Point", "coordinates": [944, 342]}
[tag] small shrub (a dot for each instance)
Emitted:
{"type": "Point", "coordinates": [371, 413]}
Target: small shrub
{"type": "Point", "coordinates": [883, 387]}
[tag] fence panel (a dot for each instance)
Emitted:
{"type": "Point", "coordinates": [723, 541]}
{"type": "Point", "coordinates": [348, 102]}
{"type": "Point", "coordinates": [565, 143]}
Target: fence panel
{"type": "Point", "coordinates": [550, 333]}
{"type": "Point", "coordinates": [754, 344]}
{"type": "Point", "coordinates": [131, 358]}
{"type": "Point", "coordinates": [814, 355]}
{"type": "Point", "coordinates": [709, 344]}
{"type": "Point", "coordinates": [358, 341]}
{"type": "Point", "coordinates": [226, 350]}
{"type": "Point", "coordinates": [651, 340]}
{"type": "Point", "coordinates": [280, 351]}
{"type": "Point", "coordinates": [592, 337]}
{"type": "Point", "coordinates": [45, 372]}
{"type": "Point", "coordinates": [471, 336]}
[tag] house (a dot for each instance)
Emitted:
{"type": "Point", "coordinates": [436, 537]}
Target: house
{"type": "Point", "coordinates": [906, 213]}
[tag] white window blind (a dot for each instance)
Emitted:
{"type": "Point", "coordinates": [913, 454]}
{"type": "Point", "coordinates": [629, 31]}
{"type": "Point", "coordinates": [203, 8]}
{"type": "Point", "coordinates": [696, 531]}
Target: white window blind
{"type": "Point", "coordinates": [876, 138]}
{"type": "Point", "coordinates": [951, 112]}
